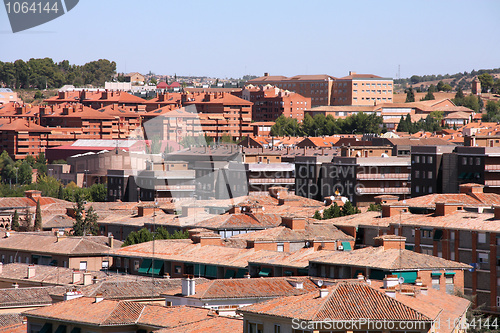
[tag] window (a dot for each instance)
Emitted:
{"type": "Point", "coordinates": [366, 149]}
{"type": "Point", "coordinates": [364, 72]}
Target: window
{"type": "Point", "coordinates": [429, 159]}
{"type": "Point", "coordinates": [452, 235]}
{"type": "Point", "coordinates": [478, 160]}
{"type": "Point", "coordinates": [498, 301]}
{"type": "Point", "coordinates": [464, 160]}
{"type": "Point", "coordinates": [136, 265]}
{"type": "Point", "coordinates": [471, 161]}
{"type": "Point", "coordinates": [105, 264]}
{"type": "Point", "coordinates": [255, 328]}
{"type": "Point", "coordinates": [168, 303]}
{"type": "Point", "coordinates": [481, 237]}
{"type": "Point", "coordinates": [417, 159]}
{"type": "Point", "coordinates": [178, 269]}
{"type": "Point", "coordinates": [435, 281]}
{"type": "Point", "coordinates": [83, 265]}
{"type": "Point", "coordinates": [430, 189]}
{"type": "Point", "coordinates": [426, 233]}
{"type": "Point", "coordinates": [277, 329]}
{"type": "Point", "coordinates": [281, 247]}
{"type": "Point", "coordinates": [417, 189]}
{"type": "Point", "coordinates": [429, 175]}
{"type": "Point", "coordinates": [482, 258]}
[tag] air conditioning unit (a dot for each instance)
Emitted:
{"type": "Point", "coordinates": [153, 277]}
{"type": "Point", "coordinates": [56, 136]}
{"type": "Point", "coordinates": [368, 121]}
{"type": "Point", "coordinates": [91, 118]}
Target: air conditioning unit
{"type": "Point", "coordinates": [340, 248]}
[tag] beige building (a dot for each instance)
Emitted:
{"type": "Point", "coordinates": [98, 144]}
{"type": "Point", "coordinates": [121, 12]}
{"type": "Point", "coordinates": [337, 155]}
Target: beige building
{"type": "Point", "coordinates": [362, 89]}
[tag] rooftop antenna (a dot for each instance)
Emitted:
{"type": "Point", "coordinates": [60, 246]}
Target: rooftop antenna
{"type": "Point", "coordinates": [399, 72]}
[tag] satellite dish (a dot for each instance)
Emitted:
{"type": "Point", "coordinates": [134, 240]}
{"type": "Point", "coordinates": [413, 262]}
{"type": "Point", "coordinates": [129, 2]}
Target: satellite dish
{"type": "Point", "coordinates": [401, 280]}
{"type": "Point", "coordinates": [368, 281]}
{"type": "Point", "coordinates": [320, 283]}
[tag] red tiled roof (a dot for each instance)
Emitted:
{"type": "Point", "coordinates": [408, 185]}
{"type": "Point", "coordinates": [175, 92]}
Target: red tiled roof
{"type": "Point", "coordinates": [345, 301]}
{"type": "Point", "coordinates": [213, 324]}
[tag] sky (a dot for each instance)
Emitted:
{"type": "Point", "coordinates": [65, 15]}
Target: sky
{"type": "Point", "coordinates": [229, 39]}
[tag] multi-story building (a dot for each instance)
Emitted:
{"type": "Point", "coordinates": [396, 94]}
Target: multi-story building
{"type": "Point", "coordinates": [434, 170]}
{"type": "Point", "coordinates": [316, 87]}
{"type": "Point", "coordinates": [270, 102]}
{"type": "Point", "coordinates": [362, 89]}
{"type": "Point", "coordinates": [361, 179]}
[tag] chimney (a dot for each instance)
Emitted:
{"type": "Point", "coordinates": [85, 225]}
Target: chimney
{"type": "Point", "coordinates": [389, 210]}
{"type": "Point", "coordinates": [15, 285]}
{"type": "Point", "coordinates": [297, 284]}
{"type": "Point", "coordinates": [247, 276]}
{"type": "Point", "coordinates": [390, 281]}
{"type": "Point", "coordinates": [1, 267]}
{"type": "Point", "coordinates": [98, 298]}
{"type": "Point", "coordinates": [391, 292]}
{"type": "Point", "coordinates": [446, 208]}
{"type": "Point", "coordinates": [471, 188]}
{"type": "Point", "coordinates": [167, 276]}
{"type": "Point", "coordinates": [423, 290]}
{"type": "Point", "coordinates": [361, 276]}
{"type": "Point", "coordinates": [75, 277]}
{"type": "Point", "coordinates": [72, 294]}
{"type": "Point", "coordinates": [31, 271]}
{"type": "Point", "coordinates": [352, 73]}
{"type": "Point", "coordinates": [110, 240]}
{"type": "Point", "coordinates": [323, 292]}
{"type": "Point", "coordinates": [266, 74]}
{"type": "Point", "coordinates": [188, 285]}
{"type": "Point", "coordinates": [294, 223]}
{"type": "Point", "coordinates": [390, 242]}
{"type": "Point", "coordinates": [496, 210]}
{"type": "Point", "coordinates": [418, 281]}
{"type": "Point", "coordinates": [87, 279]}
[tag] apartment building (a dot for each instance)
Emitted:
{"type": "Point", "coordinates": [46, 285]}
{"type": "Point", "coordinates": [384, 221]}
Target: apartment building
{"type": "Point", "coordinates": [362, 89]}
{"type": "Point", "coordinates": [361, 179]}
{"type": "Point", "coordinates": [316, 87]}
{"type": "Point", "coordinates": [271, 102]}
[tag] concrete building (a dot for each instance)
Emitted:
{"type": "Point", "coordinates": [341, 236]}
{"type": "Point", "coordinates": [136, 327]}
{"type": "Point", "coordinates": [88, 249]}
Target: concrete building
{"type": "Point", "coordinates": [362, 89]}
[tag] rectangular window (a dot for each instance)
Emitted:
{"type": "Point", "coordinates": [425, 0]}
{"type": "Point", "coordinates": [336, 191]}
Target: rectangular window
{"type": "Point", "coordinates": [136, 265]}
{"type": "Point", "coordinates": [417, 159]}
{"type": "Point", "coordinates": [417, 174]}
{"type": "Point", "coordinates": [481, 237]}
{"type": "Point", "coordinates": [281, 247]}
{"type": "Point", "coordinates": [429, 175]}
{"type": "Point", "coordinates": [478, 161]}
{"type": "Point", "coordinates": [482, 258]}
{"type": "Point", "coordinates": [277, 329]}
{"type": "Point", "coordinates": [429, 159]}
{"type": "Point", "coordinates": [417, 189]}
{"type": "Point", "coordinates": [83, 265]}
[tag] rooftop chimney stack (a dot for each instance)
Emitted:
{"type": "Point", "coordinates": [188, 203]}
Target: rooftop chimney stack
{"type": "Point", "coordinates": [75, 277]}
{"type": "Point", "coordinates": [391, 292]}
{"type": "Point", "coordinates": [87, 279]}
{"type": "Point", "coordinates": [323, 292]}
{"type": "Point", "coordinates": [188, 285]}
{"type": "Point", "coordinates": [390, 281]}
{"type": "Point", "coordinates": [1, 267]}
{"type": "Point", "coordinates": [31, 271]}
{"type": "Point", "coordinates": [98, 298]}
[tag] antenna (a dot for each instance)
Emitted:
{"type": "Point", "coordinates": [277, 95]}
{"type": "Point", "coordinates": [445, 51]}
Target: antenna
{"type": "Point", "coordinates": [399, 71]}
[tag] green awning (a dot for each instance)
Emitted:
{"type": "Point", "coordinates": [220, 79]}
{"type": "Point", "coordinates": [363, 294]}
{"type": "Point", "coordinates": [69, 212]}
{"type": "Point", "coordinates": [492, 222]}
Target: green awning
{"type": "Point", "coordinates": [409, 277]}
{"type": "Point", "coordinates": [438, 234]}
{"type": "Point", "coordinates": [303, 271]}
{"type": "Point", "coordinates": [265, 271]}
{"type": "Point", "coordinates": [449, 273]}
{"type": "Point", "coordinates": [470, 175]}
{"type": "Point", "coordinates": [199, 270]}
{"type": "Point", "coordinates": [288, 273]}
{"type": "Point", "coordinates": [346, 246]}
{"type": "Point", "coordinates": [211, 271]}
{"type": "Point", "coordinates": [47, 328]}
{"type": "Point", "coordinates": [145, 265]}
{"type": "Point", "coordinates": [409, 247]}
{"type": "Point", "coordinates": [76, 330]}
{"type": "Point", "coordinates": [230, 273]}
{"type": "Point", "coordinates": [436, 274]}
{"type": "Point", "coordinates": [156, 268]}
{"type": "Point", "coordinates": [241, 273]}
{"type": "Point", "coordinates": [61, 329]}
{"type": "Point", "coordinates": [462, 175]}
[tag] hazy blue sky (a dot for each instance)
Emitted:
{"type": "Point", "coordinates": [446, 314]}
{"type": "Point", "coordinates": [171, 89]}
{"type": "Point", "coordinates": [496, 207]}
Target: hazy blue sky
{"type": "Point", "coordinates": [233, 38]}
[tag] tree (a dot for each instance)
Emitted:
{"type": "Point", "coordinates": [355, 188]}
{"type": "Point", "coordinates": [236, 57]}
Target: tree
{"type": "Point", "coordinates": [25, 173]}
{"type": "Point", "coordinates": [459, 97]}
{"type": "Point", "coordinates": [38, 217]}
{"type": "Point", "coordinates": [90, 222]}
{"type": "Point", "coordinates": [410, 95]}
{"type": "Point", "coordinates": [429, 96]}
{"type": "Point", "coordinates": [79, 225]}
{"type": "Point", "coordinates": [317, 215]}
{"type": "Point", "coordinates": [432, 88]}
{"type": "Point", "coordinates": [15, 221]}
{"type": "Point", "coordinates": [492, 112]}
{"type": "Point", "coordinates": [349, 209]}
{"type": "Point", "coordinates": [486, 82]}
{"type": "Point", "coordinates": [98, 193]}
{"type": "Point", "coordinates": [60, 192]}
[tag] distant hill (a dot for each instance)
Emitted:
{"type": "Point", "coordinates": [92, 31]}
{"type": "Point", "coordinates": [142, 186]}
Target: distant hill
{"type": "Point", "coordinates": [462, 80]}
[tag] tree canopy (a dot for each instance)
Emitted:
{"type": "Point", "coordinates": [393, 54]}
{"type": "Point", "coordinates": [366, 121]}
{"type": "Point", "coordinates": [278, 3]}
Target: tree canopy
{"type": "Point", "coordinates": [321, 125]}
{"type": "Point", "coordinates": [144, 235]}
{"type": "Point", "coordinates": [336, 211]}
{"type": "Point", "coordinates": [45, 73]}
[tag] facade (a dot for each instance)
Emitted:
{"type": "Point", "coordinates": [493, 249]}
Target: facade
{"type": "Point", "coordinates": [270, 102]}
{"type": "Point", "coordinates": [316, 87]}
{"type": "Point", "coordinates": [362, 89]}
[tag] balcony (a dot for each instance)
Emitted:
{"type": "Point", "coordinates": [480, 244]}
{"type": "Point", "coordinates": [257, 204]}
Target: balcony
{"type": "Point", "coordinates": [383, 176]}
{"type": "Point", "coordinates": [174, 188]}
{"type": "Point", "coordinates": [492, 168]}
{"type": "Point", "coordinates": [492, 183]}
{"type": "Point", "coordinates": [272, 181]}
{"type": "Point", "coordinates": [383, 190]}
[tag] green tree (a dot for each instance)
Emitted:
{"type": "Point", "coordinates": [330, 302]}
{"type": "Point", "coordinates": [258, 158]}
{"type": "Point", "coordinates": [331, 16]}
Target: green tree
{"type": "Point", "coordinates": [38, 217]}
{"type": "Point", "coordinates": [429, 96]}
{"type": "Point", "coordinates": [79, 225]}
{"type": "Point", "coordinates": [459, 97]}
{"type": "Point", "coordinates": [41, 164]}
{"type": "Point", "coordinates": [137, 237]}
{"type": "Point", "coordinates": [60, 192]}
{"type": "Point", "coordinates": [317, 215]}
{"type": "Point", "coordinates": [432, 88]}
{"type": "Point", "coordinates": [375, 208]}
{"type": "Point", "coordinates": [492, 112]}
{"type": "Point", "coordinates": [486, 82]}
{"type": "Point", "coordinates": [98, 193]}
{"type": "Point", "coordinates": [15, 221]}
{"type": "Point", "coordinates": [90, 222]}
{"type": "Point", "coordinates": [410, 95]}
{"type": "Point", "coordinates": [349, 209]}
{"type": "Point", "coordinates": [24, 173]}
